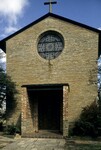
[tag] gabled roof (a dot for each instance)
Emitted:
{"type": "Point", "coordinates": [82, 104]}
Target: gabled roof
{"type": "Point", "coordinates": [2, 45]}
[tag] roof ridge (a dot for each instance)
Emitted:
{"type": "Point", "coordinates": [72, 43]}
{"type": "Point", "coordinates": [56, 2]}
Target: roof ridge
{"type": "Point", "coordinates": [52, 15]}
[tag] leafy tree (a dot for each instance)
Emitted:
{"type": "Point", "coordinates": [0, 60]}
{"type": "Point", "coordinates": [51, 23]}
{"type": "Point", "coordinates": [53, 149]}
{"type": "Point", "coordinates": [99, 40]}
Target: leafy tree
{"type": "Point", "coordinates": [2, 87]}
{"type": "Point", "coordinates": [7, 91]}
{"type": "Point", "coordinates": [99, 81]}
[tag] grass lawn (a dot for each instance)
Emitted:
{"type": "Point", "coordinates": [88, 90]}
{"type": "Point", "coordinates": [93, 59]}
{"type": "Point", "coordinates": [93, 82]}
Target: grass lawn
{"type": "Point", "coordinates": [83, 143]}
{"type": "Point", "coordinates": [83, 147]}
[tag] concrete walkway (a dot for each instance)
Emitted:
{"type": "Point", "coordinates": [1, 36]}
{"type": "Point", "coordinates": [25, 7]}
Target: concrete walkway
{"type": "Point", "coordinates": [35, 144]}
{"type": "Point", "coordinates": [5, 141]}
{"type": "Point", "coordinates": [19, 143]}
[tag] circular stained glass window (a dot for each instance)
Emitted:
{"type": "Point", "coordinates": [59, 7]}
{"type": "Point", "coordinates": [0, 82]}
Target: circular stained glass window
{"type": "Point", "coordinates": [50, 45]}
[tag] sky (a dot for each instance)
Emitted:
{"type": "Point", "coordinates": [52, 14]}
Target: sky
{"type": "Point", "coordinates": [15, 14]}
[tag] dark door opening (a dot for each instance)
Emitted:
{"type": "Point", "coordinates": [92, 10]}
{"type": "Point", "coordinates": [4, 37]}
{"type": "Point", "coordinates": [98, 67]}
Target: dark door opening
{"type": "Point", "coordinates": [46, 106]}
{"type": "Point", "coordinates": [49, 106]}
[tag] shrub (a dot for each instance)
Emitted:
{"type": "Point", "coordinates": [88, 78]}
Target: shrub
{"type": "Point", "coordinates": [1, 126]}
{"type": "Point", "coordinates": [89, 122]}
{"type": "Point", "coordinates": [12, 129]}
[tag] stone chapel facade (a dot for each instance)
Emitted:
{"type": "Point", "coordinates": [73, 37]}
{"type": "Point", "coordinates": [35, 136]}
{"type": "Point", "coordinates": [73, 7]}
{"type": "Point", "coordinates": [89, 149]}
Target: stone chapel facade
{"type": "Point", "coordinates": [54, 64]}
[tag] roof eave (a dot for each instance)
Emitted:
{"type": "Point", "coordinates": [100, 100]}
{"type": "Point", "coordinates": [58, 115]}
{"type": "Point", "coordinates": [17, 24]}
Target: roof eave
{"type": "Point", "coordinates": [3, 41]}
{"type": "Point", "coordinates": [55, 16]}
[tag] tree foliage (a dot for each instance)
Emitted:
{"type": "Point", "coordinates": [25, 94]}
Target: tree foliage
{"type": "Point", "coordinates": [7, 90]}
{"type": "Point", "coordinates": [99, 74]}
{"type": "Point", "coordinates": [2, 87]}
{"type": "Point", "coordinates": [99, 81]}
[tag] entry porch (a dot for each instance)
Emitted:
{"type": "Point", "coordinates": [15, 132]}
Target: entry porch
{"type": "Point", "coordinates": [44, 110]}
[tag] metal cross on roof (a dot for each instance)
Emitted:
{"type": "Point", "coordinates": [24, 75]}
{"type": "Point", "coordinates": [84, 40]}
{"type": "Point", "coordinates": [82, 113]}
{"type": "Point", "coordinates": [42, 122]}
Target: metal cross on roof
{"type": "Point", "coordinates": [50, 4]}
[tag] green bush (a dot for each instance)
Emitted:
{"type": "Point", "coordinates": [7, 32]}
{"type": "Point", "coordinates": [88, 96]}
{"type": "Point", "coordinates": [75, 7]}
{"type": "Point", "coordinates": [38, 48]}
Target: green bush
{"type": "Point", "coordinates": [1, 126]}
{"type": "Point", "coordinates": [12, 129]}
{"type": "Point", "coordinates": [89, 123]}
